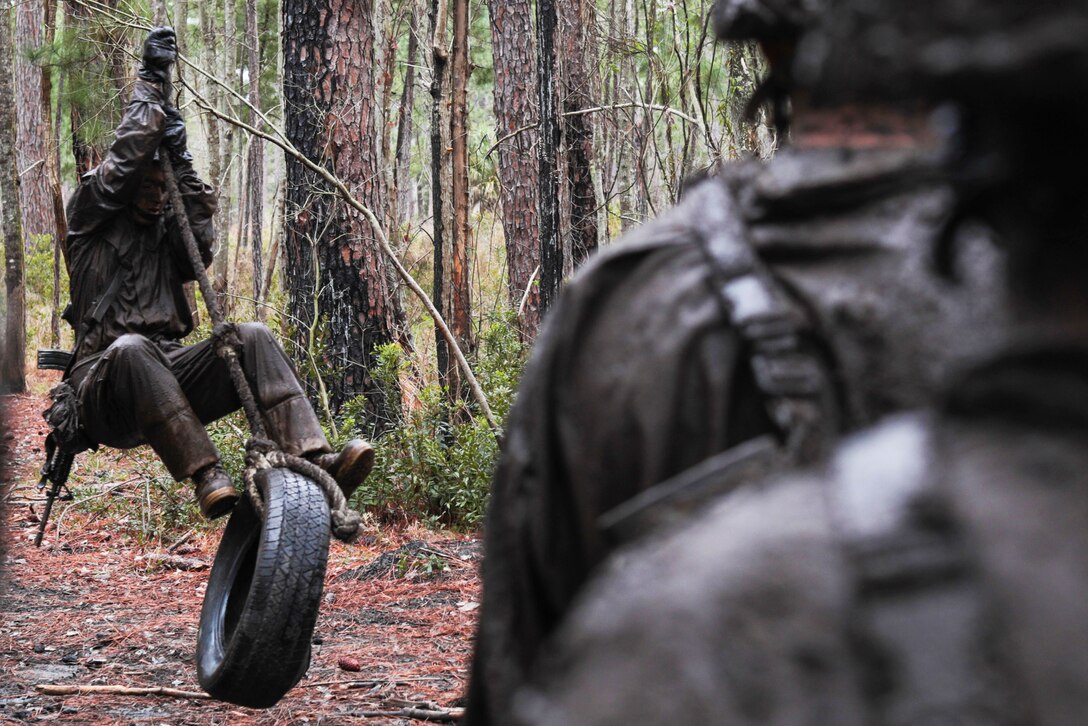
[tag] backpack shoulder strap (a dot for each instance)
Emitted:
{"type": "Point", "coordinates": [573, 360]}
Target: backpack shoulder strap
{"type": "Point", "coordinates": [787, 367]}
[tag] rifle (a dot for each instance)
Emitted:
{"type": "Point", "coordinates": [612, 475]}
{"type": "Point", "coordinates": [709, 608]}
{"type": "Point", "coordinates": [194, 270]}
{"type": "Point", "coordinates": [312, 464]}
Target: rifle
{"type": "Point", "coordinates": [58, 458]}
{"type": "Point", "coordinates": [57, 467]}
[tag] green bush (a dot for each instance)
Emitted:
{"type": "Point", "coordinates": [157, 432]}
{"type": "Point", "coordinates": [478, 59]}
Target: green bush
{"type": "Point", "coordinates": [436, 463]}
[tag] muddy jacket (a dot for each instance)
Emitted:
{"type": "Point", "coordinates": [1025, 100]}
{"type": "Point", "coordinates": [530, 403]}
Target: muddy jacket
{"type": "Point", "coordinates": [935, 572]}
{"type": "Point", "coordinates": [639, 372]}
{"type": "Point", "coordinates": [147, 264]}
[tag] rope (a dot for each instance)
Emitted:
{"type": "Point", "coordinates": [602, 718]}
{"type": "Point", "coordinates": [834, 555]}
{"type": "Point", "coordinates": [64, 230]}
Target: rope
{"type": "Point", "coordinates": [262, 454]}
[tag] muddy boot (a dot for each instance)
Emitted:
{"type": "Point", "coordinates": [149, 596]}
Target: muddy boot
{"type": "Point", "coordinates": [350, 467]}
{"type": "Point", "coordinates": [214, 491]}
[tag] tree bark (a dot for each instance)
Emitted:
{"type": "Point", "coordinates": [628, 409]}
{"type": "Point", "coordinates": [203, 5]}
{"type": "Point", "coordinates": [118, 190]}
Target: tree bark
{"type": "Point", "coordinates": [274, 251]}
{"type": "Point", "coordinates": [60, 251]}
{"type": "Point", "coordinates": [213, 134]}
{"type": "Point", "coordinates": [403, 154]}
{"type": "Point", "coordinates": [441, 188]}
{"type": "Point", "coordinates": [461, 322]}
{"type": "Point", "coordinates": [581, 84]}
{"type": "Point", "coordinates": [255, 160]}
{"type": "Point", "coordinates": [13, 364]}
{"type": "Point", "coordinates": [551, 246]}
{"type": "Point", "coordinates": [330, 94]}
{"type": "Point", "coordinates": [228, 170]}
{"type": "Point", "coordinates": [517, 137]}
{"type": "Point", "coordinates": [32, 153]}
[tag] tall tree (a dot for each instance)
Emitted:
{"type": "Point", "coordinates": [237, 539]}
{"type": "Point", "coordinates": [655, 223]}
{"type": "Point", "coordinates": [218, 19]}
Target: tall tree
{"type": "Point", "coordinates": [52, 163]}
{"type": "Point", "coordinates": [551, 246]}
{"type": "Point", "coordinates": [441, 187]}
{"type": "Point", "coordinates": [331, 114]}
{"type": "Point", "coordinates": [228, 169]}
{"type": "Point", "coordinates": [461, 322]}
{"type": "Point", "coordinates": [517, 137]}
{"type": "Point", "coordinates": [255, 156]}
{"type": "Point", "coordinates": [13, 365]}
{"type": "Point", "coordinates": [402, 184]}
{"type": "Point", "coordinates": [580, 91]}
{"type": "Point", "coordinates": [33, 152]}
{"type": "Point", "coordinates": [212, 133]}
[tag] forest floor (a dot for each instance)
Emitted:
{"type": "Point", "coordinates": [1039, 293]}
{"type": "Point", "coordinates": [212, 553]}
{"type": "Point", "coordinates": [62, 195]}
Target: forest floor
{"type": "Point", "coordinates": [95, 605]}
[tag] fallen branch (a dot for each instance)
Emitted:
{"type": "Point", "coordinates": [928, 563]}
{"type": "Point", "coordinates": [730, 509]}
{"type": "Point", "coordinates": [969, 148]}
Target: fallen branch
{"type": "Point", "coordinates": [173, 562]}
{"type": "Point", "coordinates": [51, 689]}
{"type": "Point", "coordinates": [440, 553]}
{"type": "Point", "coordinates": [448, 715]}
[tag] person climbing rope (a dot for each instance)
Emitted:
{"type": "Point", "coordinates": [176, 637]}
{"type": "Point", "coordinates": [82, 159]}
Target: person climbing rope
{"type": "Point", "coordinates": [133, 380]}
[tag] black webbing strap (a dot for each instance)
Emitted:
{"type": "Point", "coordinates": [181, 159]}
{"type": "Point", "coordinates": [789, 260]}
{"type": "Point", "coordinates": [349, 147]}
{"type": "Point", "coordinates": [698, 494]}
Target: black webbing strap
{"type": "Point", "coordinates": [786, 367]}
{"type": "Point", "coordinates": [104, 302]}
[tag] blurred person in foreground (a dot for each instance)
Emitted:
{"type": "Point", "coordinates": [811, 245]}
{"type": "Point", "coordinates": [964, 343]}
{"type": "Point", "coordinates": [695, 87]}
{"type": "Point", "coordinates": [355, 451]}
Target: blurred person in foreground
{"type": "Point", "coordinates": [936, 569]}
{"type": "Point", "coordinates": [779, 305]}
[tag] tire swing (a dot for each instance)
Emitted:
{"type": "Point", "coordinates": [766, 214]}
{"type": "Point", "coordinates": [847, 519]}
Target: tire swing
{"type": "Point", "coordinates": [266, 582]}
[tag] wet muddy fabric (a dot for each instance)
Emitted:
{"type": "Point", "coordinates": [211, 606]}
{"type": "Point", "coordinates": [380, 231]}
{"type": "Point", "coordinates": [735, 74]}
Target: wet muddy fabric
{"type": "Point", "coordinates": [138, 391]}
{"type": "Point", "coordinates": [104, 240]}
{"type": "Point", "coordinates": [637, 375]}
{"type": "Point", "coordinates": [135, 381]}
{"type": "Point", "coordinates": [749, 615]}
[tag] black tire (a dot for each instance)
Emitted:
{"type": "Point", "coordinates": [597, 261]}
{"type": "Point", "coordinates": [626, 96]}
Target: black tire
{"type": "Point", "coordinates": [264, 592]}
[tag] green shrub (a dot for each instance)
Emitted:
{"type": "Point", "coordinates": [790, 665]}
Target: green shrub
{"type": "Point", "coordinates": [436, 463]}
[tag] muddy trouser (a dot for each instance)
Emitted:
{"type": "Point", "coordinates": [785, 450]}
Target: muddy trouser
{"type": "Point", "coordinates": [162, 394]}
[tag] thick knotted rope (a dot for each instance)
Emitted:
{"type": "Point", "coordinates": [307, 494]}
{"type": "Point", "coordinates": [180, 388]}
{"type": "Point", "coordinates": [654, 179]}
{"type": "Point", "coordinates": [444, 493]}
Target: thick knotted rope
{"type": "Point", "coordinates": [263, 454]}
{"type": "Point", "coordinates": [260, 453]}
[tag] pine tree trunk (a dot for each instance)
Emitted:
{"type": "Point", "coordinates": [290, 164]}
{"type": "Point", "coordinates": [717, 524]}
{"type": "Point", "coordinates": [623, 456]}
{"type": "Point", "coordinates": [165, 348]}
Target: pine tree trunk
{"type": "Point", "coordinates": [273, 253]}
{"type": "Point", "coordinates": [32, 150]}
{"type": "Point", "coordinates": [551, 246]}
{"type": "Point", "coordinates": [402, 168]}
{"type": "Point", "coordinates": [518, 136]}
{"type": "Point", "coordinates": [212, 135]}
{"type": "Point", "coordinates": [441, 186]}
{"type": "Point", "coordinates": [52, 162]}
{"type": "Point", "coordinates": [330, 95]}
{"type": "Point", "coordinates": [226, 168]}
{"type": "Point", "coordinates": [581, 84]}
{"type": "Point", "coordinates": [255, 160]}
{"type": "Point", "coordinates": [461, 282]}
{"type": "Point", "coordinates": [13, 353]}
{"type": "Point", "coordinates": [86, 151]}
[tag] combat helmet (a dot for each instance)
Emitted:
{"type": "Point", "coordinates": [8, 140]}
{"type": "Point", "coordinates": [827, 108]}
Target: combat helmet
{"type": "Point", "coordinates": [962, 49]}
{"type": "Point", "coordinates": [777, 25]}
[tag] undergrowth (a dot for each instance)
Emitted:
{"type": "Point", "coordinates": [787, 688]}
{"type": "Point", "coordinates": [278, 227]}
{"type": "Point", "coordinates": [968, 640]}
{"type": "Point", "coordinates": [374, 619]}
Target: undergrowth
{"type": "Point", "coordinates": [435, 464]}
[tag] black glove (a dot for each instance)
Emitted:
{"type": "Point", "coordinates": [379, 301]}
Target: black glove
{"type": "Point", "coordinates": [174, 139]}
{"type": "Point", "coordinates": [160, 52]}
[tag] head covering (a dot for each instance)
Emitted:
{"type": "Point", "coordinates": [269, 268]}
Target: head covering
{"type": "Point", "coordinates": [763, 19]}
{"type": "Point", "coordinates": [945, 49]}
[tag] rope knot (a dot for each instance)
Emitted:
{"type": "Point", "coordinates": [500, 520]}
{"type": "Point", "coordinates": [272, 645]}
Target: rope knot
{"type": "Point", "coordinates": [225, 337]}
{"type": "Point", "coordinates": [264, 454]}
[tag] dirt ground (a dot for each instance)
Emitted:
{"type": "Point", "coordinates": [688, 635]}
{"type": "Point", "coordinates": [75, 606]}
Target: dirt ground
{"type": "Point", "coordinates": [92, 607]}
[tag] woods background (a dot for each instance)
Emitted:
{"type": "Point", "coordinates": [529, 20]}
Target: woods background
{"type": "Point", "coordinates": [378, 161]}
